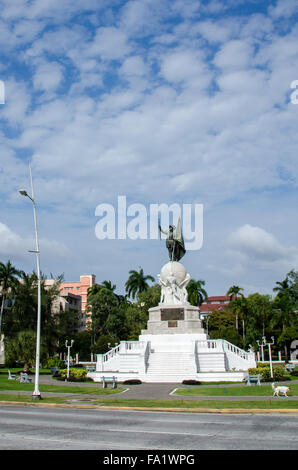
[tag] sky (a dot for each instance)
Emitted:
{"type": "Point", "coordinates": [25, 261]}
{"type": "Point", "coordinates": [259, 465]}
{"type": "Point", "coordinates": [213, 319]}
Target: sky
{"type": "Point", "coordinates": [160, 101]}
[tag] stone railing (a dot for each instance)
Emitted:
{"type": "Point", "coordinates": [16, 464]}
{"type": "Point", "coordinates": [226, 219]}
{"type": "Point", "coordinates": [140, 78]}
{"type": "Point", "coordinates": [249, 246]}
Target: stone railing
{"type": "Point", "coordinates": [213, 344]}
{"type": "Point", "coordinates": [125, 347]}
{"type": "Point", "coordinates": [235, 350]}
{"type": "Point", "coordinates": [223, 345]}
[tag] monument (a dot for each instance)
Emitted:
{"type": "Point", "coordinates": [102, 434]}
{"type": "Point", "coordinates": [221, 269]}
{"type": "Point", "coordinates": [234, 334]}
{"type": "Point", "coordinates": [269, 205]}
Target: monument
{"type": "Point", "coordinates": [174, 346]}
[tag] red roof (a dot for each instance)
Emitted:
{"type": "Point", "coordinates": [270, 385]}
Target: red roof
{"type": "Point", "coordinates": [210, 307]}
{"type": "Point", "coordinates": [217, 297]}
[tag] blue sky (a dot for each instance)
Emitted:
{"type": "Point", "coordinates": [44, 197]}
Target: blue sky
{"type": "Point", "coordinates": [162, 101]}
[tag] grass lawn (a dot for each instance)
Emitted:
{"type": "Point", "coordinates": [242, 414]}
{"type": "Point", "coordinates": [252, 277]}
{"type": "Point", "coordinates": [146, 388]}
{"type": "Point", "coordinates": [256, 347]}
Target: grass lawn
{"type": "Point", "coordinates": [15, 385]}
{"type": "Point", "coordinates": [242, 390]}
{"type": "Point", "coordinates": [212, 404]}
{"type": "Point", "coordinates": [164, 404]}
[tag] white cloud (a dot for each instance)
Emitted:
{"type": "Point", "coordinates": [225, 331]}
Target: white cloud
{"type": "Point", "coordinates": [110, 43]}
{"type": "Point", "coordinates": [48, 76]}
{"type": "Point", "coordinates": [160, 102]}
{"type": "Point", "coordinates": [16, 247]}
{"type": "Point", "coordinates": [234, 55]}
{"type": "Point", "coordinates": [261, 247]}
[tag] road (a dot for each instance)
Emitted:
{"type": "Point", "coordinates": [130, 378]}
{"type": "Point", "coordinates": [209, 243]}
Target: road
{"type": "Point", "coordinates": [44, 428]}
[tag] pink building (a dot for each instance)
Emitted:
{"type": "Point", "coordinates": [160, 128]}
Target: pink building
{"type": "Point", "coordinates": [79, 288]}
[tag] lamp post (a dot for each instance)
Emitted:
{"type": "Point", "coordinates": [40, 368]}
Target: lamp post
{"type": "Point", "coordinates": [36, 393]}
{"type": "Point", "coordinates": [68, 355]}
{"type": "Point", "coordinates": [261, 346]}
{"type": "Point", "coordinates": [266, 343]}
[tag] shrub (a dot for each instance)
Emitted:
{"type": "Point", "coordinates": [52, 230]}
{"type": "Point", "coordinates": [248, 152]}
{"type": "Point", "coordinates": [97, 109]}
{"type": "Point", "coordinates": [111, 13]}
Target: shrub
{"type": "Point", "coordinates": [278, 373]}
{"type": "Point", "coordinates": [191, 382]}
{"type": "Point", "coordinates": [54, 362]}
{"type": "Point", "coordinates": [75, 375]}
{"type": "Point", "coordinates": [132, 382]}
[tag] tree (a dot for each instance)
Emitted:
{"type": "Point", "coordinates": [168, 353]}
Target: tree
{"type": "Point", "coordinates": [285, 308]}
{"type": "Point", "coordinates": [221, 326]}
{"type": "Point", "coordinates": [233, 293]}
{"type": "Point", "coordinates": [259, 312]}
{"type": "Point", "coordinates": [23, 313]}
{"type": "Point", "coordinates": [108, 285]}
{"type": "Point", "coordinates": [196, 292]}
{"type": "Point", "coordinates": [137, 282]}
{"type": "Point", "coordinates": [22, 348]}
{"type": "Point", "coordinates": [107, 314]}
{"type": "Point", "coordinates": [8, 281]}
{"type": "Point", "coordinates": [136, 314]}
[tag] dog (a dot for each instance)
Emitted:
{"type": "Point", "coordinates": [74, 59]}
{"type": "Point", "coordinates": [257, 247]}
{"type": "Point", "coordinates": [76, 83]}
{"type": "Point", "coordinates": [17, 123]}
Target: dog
{"type": "Point", "coordinates": [281, 389]}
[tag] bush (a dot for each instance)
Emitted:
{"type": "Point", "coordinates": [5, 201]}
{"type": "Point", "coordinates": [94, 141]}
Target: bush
{"type": "Point", "coordinates": [54, 362]}
{"type": "Point", "coordinates": [132, 382]}
{"type": "Point", "coordinates": [261, 365]}
{"type": "Point", "coordinates": [278, 373]}
{"type": "Point", "coordinates": [75, 375]}
{"type": "Point", "coordinates": [191, 382]}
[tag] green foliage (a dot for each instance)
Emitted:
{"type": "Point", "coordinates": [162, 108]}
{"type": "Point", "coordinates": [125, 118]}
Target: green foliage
{"type": "Point", "coordinates": [103, 343]}
{"type": "Point", "coordinates": [136, 314]}
{"type": "Point", "coordinates": [196, 292]}
{"type": "Point", "coordinates": [75, 375]}
{"type": "Point", "coordinates": [8, 282]}
{"type": "Point", "coordinates": [107, 313]}
{"type": "Point", "coordinates": [54, 362]}
{"type": "Point", "coordinates": [278, 373]}
{"type": "Point", "coordinates": [229, 334]}
{"type": "Point", "coordinates": [22, 348]}
{"type": "Point", "coordinates": [137, 282]}
{"type": "Point", "coordinates": [220, 319]}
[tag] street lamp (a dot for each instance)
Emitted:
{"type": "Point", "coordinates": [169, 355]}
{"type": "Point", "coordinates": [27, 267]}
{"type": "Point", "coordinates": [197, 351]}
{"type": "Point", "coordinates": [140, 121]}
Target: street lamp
{"type": "Point", "coordinates": [68, 355]}
{"type": "Point", "coordinates": [262, 347]}
{"type": "Point", "coordinates": [266, 343]}
{"type": "Point", "coordinates": [36, 393]}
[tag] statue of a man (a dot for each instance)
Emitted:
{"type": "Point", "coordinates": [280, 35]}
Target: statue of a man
{"type": "Point", "coordinates": [174, 241]}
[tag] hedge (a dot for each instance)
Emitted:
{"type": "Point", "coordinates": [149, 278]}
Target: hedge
{"type": "Point", "coordinates": [278, 373]}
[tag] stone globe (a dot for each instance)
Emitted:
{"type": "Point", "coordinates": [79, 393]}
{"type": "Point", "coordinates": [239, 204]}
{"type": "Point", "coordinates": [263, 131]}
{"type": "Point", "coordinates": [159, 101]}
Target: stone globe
{"type": "Point", "coordinates": [173, 268]}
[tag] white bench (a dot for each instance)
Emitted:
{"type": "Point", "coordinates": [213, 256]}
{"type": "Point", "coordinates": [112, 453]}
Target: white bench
{"type": "Point", "coordinates": [24, 378]}
{"type": "Point", "coordinates": [11, 376]}
{"type": "Point", "coordinates": [253, 379]}
{"type": "Point", "coordinates": [106, 380]}
{"type": "Point", "coordinates": [290, 367]}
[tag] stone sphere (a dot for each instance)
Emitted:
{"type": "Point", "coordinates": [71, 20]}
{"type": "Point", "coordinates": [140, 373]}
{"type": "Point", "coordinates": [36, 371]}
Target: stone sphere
{"type": "Point", "coordinates": [173, 268]}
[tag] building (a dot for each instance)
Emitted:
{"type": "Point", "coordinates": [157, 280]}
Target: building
{"type": "Point", "coordinates": [213, 303]}
{"type": "Point", "coordinates": [67, 302]}
{"type": "Point", "coordinates": [79, 288]}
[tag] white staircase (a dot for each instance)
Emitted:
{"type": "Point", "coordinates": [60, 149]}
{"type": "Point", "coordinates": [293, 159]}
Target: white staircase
{"type": "Point", "coordinates": [211, 361]}
{"type": "Point", "coordinates": [174, 358]}
{"type": "Point", "coordinates": [169, 366]}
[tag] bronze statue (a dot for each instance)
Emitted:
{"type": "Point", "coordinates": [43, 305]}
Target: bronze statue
{"type": "Point", "coordinates": [174, 241]}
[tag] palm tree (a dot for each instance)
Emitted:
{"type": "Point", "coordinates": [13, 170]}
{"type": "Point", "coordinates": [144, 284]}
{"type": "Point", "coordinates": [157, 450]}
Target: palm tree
{"type": "Point", "coordinates": [284, 310]}
{"type": "Point", "coordinates": [233, 293]}
{"type": "Point", "coordinates": [108, 285]}
{"type": "Point", "coordinates": [8, 281]}
{"type": "Point", "coordinates": [196, 292]}
{"type": "Point", "coordinates": [137, 282]}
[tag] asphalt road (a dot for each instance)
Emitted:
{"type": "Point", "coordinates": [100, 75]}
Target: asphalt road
{"type": "Point", "coordinates": [30, 427]}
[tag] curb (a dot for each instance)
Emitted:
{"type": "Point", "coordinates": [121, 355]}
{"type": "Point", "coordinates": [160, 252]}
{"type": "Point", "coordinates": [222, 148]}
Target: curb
{"type": "Point", "coordinates": [173, 410]}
